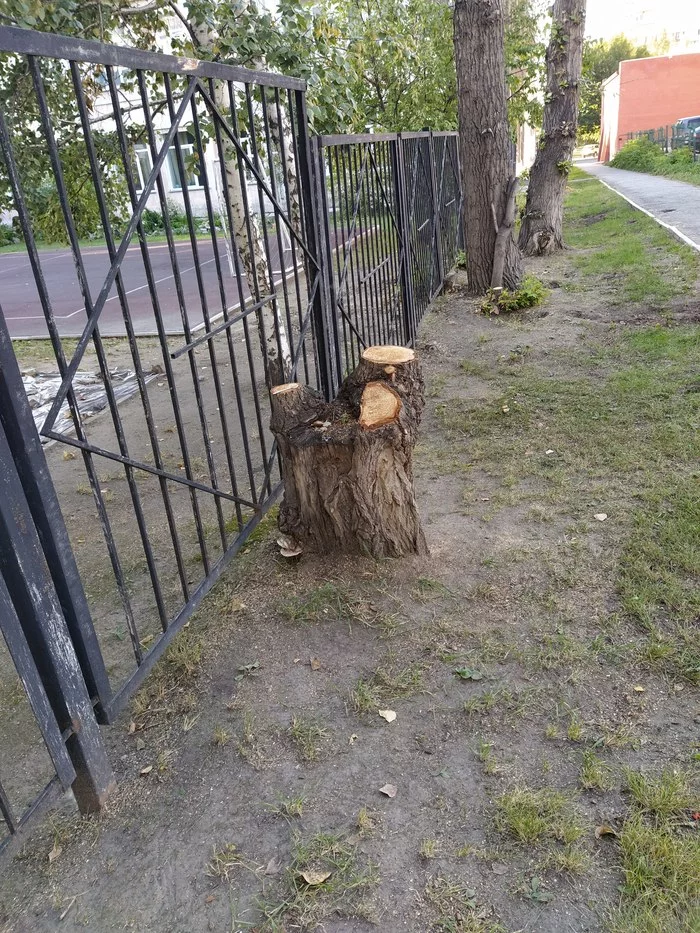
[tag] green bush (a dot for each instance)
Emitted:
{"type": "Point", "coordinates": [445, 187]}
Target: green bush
{"type": "Point", "coordinates": [152, 222]}
{"type": "Point", "coordinates": [642, 155]}
{"type": "Point", "coordinates": [8, 235]}
{"type": "Point", "coordinates": [530, 293]}
{"type": "Point", "coordinates": [639, 155]}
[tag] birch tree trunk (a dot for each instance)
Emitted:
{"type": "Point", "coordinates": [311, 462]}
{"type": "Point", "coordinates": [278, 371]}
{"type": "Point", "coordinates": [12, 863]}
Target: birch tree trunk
{"type": "Point", "coordinates": [541, 230]}
{"type": "Point", "coordinates": [248, 240]}
{"type": "Point", "coordinates": [485, 143]}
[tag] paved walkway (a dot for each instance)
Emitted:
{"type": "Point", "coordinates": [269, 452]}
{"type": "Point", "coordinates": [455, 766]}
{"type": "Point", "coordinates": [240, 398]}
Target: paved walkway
{"type": "Point", "coordinates": [675, 204]}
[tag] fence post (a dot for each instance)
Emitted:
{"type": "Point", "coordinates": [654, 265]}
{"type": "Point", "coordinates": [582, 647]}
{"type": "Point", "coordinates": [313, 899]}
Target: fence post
{"type": "Point", "coordinates": [399, 173]}
{"type": "Point", "coordinates": [437, 230]}
{"type": "Point", "coordinates": [29, 460]}
{"type": "Point", "coordinates": [314, 219]}
{"type": "Point", "coordinates": [325, 253]}
{"type": "Point", "coordinates": [32, 592]}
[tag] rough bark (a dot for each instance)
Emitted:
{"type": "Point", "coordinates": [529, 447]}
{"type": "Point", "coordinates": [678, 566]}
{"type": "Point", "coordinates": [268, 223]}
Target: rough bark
{"type": "Point", "coordinates": [347, 465]}
{"type": "Point", "coordinates": [247, 236]}
{"type": "Point", "coordinates": [484, 139]}
{"type": "Point", "coordinates": [541, 229]}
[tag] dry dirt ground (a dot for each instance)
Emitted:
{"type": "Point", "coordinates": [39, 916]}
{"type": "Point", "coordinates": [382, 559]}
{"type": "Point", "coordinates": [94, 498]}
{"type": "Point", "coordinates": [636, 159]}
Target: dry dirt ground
{"type": "Point", "coordinates": [528, 695]}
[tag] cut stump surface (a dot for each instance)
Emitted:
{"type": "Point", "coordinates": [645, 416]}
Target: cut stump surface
{"type": "Point", "coordinates": [347, 465]}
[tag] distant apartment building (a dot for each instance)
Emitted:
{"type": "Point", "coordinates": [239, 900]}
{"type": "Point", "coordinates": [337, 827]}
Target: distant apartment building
{"type": "Point", "coordinates": [668, 26]}
{"type": "Point", "coordinates": [647, 93]}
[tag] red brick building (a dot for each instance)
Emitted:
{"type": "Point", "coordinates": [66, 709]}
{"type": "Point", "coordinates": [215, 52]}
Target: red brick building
{"type": "Point", "coordinates": [647, 93]}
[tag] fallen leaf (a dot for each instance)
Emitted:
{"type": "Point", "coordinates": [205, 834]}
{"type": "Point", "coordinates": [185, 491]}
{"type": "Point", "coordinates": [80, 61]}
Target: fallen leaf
{"type": "Point", "coordinates": [315, 664]}
{"type": "Point", "coordinates": [387, 714]}
{"type": "Point", "coordinates": [498, 868]}
{"type": "Point", "coordinates": [638, 688]}
{"type": "Point", "coordinates": [132, 727]}
{"type": "Point", "coordinates": [236, 605]}
{"type": "Point", "coordinates": [210, 899]}
{"type": "Point", "coordinates": [353, 739]}
{"type": "Point", "coordinates": [315, 877]}
{"type": "Point", "coordinates": [55, 852]}
{"type": "Point", "coordinates": [147, 769]}
{"type": "Point", "coordinates": [600, 516]}
{"type": "Point", "coordinates": [604, 830]}
{"type": "Point", "coordinates": [273, 866]}
{"type": "Point", "coordinates": [468, 673]}
{"type": "Point", "coordinates": [140, 745]}
{"type": "Point", "coordinates": [389, 790]}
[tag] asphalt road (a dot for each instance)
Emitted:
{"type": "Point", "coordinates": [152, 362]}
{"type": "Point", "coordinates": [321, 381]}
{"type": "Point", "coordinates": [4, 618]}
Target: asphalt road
{"type": "Point", "coordinates": [673, 203]}
{"type": "Point", "coordinates": [19, 298]}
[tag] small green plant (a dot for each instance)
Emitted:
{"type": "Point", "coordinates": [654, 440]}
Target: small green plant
{"type": "Point", "coordinates": [503, 301]}
{"type": "Point", "coordinates": [221, 737]}
{"type": "Point", "coordinates": [366, 822]}
{"type": "Point", "coordinates": [594, 774]}
{"type": "Point", "coordinates": [429, 848]}
{"type": "Point", "coordinates": [289, 807]}
{"type": "Point", "coordinates": [308, 736]}
{"type": "Point", "coordinates": [537, 815]}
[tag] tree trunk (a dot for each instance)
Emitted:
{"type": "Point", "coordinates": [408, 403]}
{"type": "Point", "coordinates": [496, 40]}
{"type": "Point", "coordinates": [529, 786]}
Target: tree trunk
{"type": "Point", "coordinates": [484, 140]}
{"type": "Point", "coordinates": [347, 465]}
{"type": "Point", "coordinates": [541, 230]}
{"type": "Point", "coordinates": [247, 237]}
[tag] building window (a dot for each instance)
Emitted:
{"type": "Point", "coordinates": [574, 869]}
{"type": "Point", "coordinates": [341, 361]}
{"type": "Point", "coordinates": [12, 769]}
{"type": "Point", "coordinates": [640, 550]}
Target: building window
{"type": "Point", "coordinates": [142, 165]}
{"type": "Point", "coordinates": [193, 177]}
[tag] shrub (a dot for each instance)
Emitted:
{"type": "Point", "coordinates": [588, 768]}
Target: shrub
{"type": "Point", "coordinates": [8, 235]}
{"type": "Point", "coordinates": [530, 293]}
{"type": "Point", "coordinates": [639, 155]}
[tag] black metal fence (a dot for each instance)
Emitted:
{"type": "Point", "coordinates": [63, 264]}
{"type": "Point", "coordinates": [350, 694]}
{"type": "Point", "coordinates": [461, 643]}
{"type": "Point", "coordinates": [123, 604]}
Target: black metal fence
{"type": "Point", "coordinates": [671, 138]}
{"type": "Point", "coordinates": [232, 252]}
{"type": "Point", "coordinates": [392, 206]}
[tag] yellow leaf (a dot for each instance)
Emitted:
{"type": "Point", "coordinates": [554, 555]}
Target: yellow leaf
{"type": "Point", "coordinates": [315, 877]}
{"type": "Point", "coordinates": [55, 852]}
{"type": "Point", "coordinates": [387, 714]}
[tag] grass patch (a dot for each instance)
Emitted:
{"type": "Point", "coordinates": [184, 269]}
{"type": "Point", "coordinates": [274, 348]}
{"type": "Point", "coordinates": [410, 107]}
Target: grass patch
{"type": "Point", "coordinates": [457, 908]}
{"type": "Point", "coordinates": [532, 816]}
{"type": "Point", "coordinates": [594, 773]}
{"type": "Point", "coordinates": [661, 868]}
{"type": "Point", "coordinates": [346, 892]}
{"type": "Point", "coordinates": [289, 807]}
{"type": "Point", "coordinates": [625, 246]}
{"type": "Point", "coordinates": [325, 603]}
{"type": "Point", "coordinates": [386, 684]}
{"type": "Point", "coordinates": [658, 578]}
{"type": "Point", "coordinates": [663, 797]}
{"type": "Point", "coordinates": [308, 736]}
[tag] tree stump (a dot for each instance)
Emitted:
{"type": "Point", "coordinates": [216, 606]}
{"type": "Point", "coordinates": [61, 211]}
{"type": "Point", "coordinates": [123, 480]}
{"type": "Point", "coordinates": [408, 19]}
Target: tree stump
{"type": "Point", "coordinates": [347, 465]}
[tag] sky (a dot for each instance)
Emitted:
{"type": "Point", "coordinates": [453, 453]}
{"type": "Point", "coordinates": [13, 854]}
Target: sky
{"type": "Point", "coordinates": [607, 18]}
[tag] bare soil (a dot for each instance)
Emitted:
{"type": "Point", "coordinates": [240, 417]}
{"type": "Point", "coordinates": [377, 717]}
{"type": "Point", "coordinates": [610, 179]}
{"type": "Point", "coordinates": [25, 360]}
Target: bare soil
{"type": "Point", "coordinates": [275, 694]}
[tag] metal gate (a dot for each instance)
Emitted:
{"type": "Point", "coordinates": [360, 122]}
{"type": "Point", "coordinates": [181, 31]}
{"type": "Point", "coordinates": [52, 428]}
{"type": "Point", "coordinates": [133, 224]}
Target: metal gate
{"type": "Point", "coordinates": [229, 251]}
{"type": "Point", "coordinates": [392, 205]}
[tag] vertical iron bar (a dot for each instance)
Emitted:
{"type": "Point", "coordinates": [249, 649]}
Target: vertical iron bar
{"type": "Point", "coordinates": [312, 209]}
{"type": "Point", "coordinates": [31, 589]}
{"type": "Point", "coordinates": [404, 241]}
